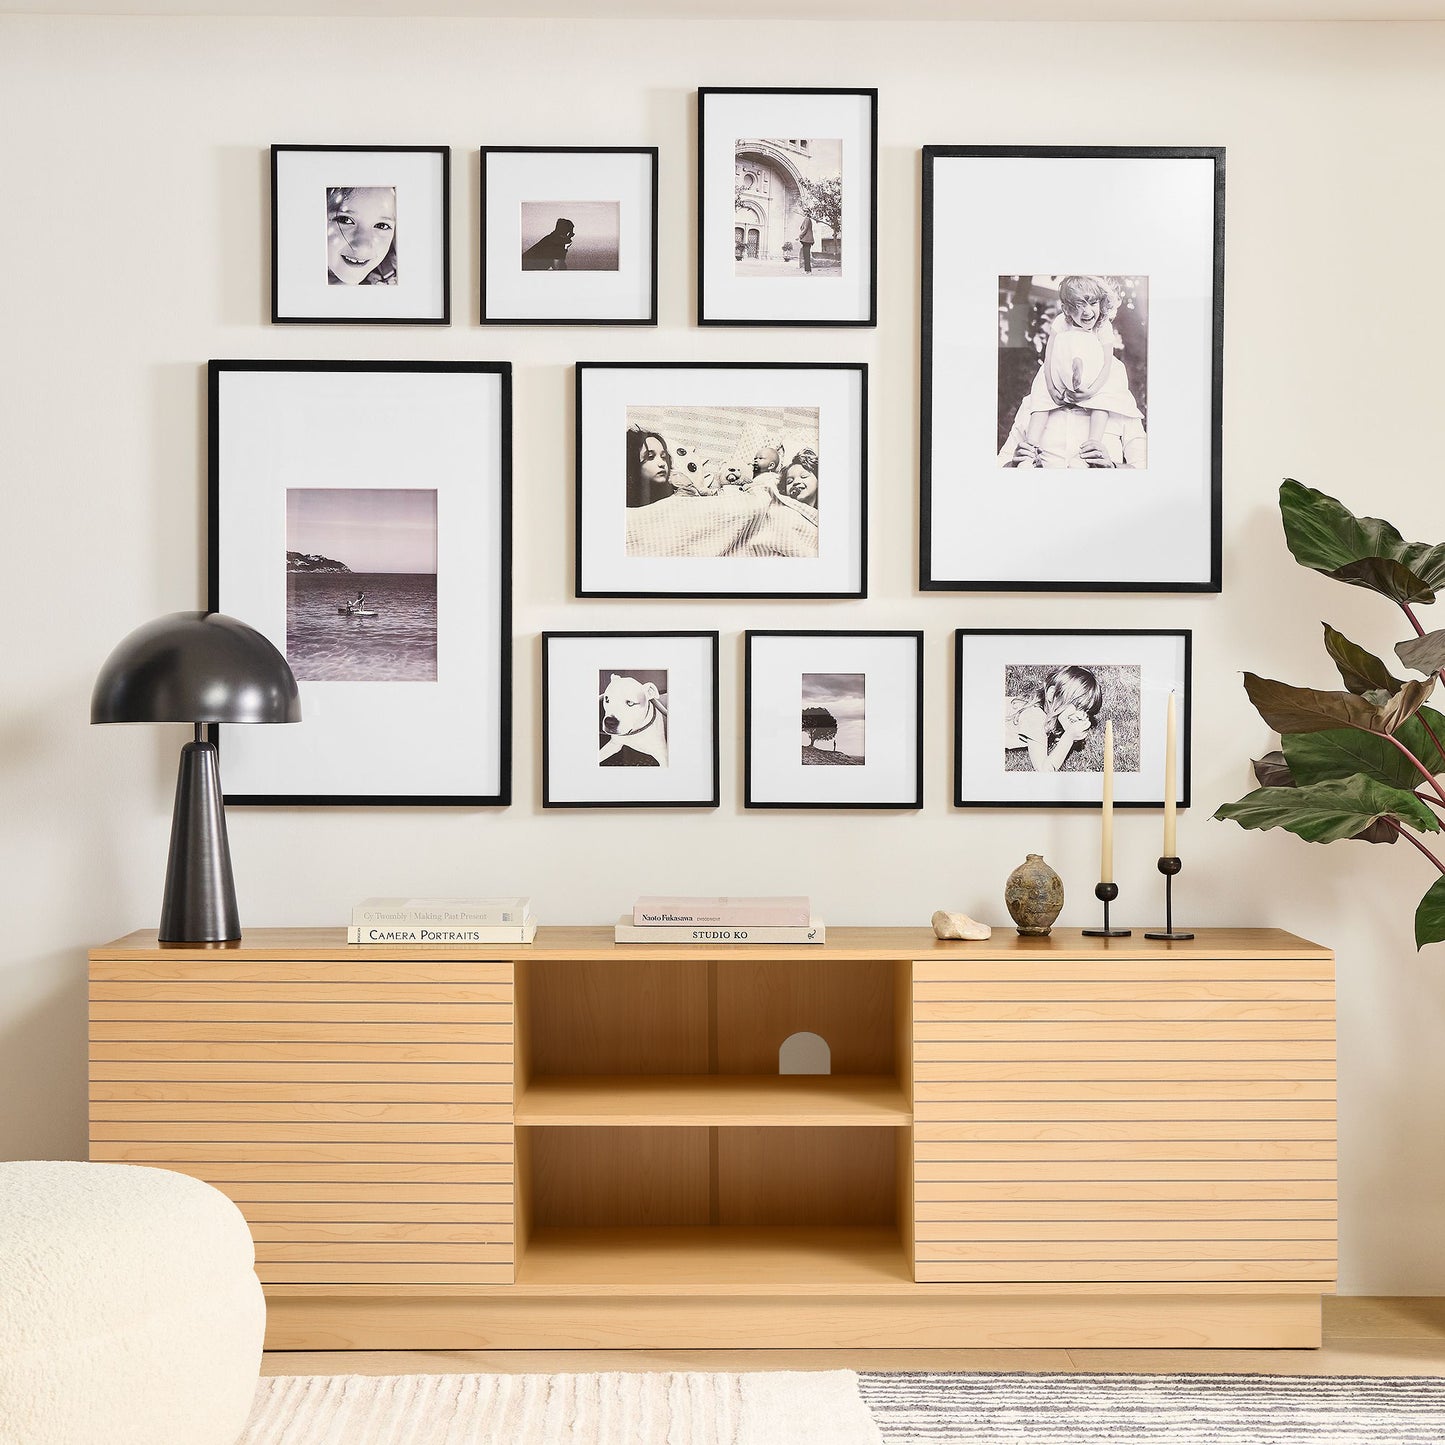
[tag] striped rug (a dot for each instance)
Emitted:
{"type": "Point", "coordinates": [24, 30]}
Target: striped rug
{"type": "Point", "coordinates": [1068, 1409]}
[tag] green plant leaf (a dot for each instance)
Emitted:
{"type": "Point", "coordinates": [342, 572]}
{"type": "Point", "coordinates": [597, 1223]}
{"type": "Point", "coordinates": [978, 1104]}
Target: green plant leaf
{"type": "Point", "coordinates": [1430, 915]}
{"type": "Point", "coordinates": [1306, 710]}
{"type": "Point", "coordinates": [1360, 671]}
{"type": "Point", "coordinates": [1328, 812]}
{"type": "Point", "coordinates": [1272, 771]}
{"type": "Point", "coordinates": [1343, 752]}
{"type": "Point", "coordinates": [1363, 551]}
{"type": "Point", "coordinates": [1425, 654]}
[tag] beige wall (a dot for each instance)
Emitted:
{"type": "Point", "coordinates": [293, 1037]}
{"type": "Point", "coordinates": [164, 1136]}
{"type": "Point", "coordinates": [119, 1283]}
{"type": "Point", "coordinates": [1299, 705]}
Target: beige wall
{"type": "Point", "coordinates": [135, 247]}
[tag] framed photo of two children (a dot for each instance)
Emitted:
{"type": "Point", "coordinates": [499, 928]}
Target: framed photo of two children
{"type": "Point", "coordinates": [1071, 416]}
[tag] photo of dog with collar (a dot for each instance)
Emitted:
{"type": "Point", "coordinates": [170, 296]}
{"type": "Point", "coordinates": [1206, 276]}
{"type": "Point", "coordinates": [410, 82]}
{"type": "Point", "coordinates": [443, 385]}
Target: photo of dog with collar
{"type": "Point", "coordinates": [632, 718]}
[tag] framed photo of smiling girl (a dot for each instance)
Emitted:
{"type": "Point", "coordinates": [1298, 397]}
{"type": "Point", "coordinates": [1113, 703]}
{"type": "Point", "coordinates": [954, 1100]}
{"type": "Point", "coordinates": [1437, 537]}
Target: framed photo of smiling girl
{"type": "Point", "coordinates": [361, 234]}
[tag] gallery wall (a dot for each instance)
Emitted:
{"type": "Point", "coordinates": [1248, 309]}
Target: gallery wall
{"type": "Point", "coordinates": [135, 243]}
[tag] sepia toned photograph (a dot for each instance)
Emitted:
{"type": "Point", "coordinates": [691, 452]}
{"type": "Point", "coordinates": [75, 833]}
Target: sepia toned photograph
{"type": "Point", "coordinates": [570, 235]}
{"type": "Point", "coordinates": [361, 584]}
{"type": "Point", "coordinates": [834, 719]}
{"type": "Point", "coordinates": [722, 481]}
{"type": "Point", "coordinates": [361, 235]}
{"type": "Point", "coordinates": [632, 718]}
{"type": "Point", "coordinates": [788, 216]}
{"type": "Point", "coordinates": [1073, 353]}
{"type": "Point", "coordinates": [1054, 716]}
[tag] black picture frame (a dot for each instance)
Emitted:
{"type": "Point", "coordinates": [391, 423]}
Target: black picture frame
{"type": "Point", "coordinates": [442, 262]}
{"type": "Point", "coordinates": [1152, 729]}
{"type": "Point", "coordinates": [490, 284]}
{"type": "Point", "coordinates": [832, 792]}
{"type": "Point", "coordinates": [838, 386]}
{"type": "Point", "coordinates": [579, 723]}
{"type": "Point", "coordinates": [1183, 556]}
{"type": "Point", "coordinates": [867, 174]}
{"type": "Point", "coordinates": [476, 727]}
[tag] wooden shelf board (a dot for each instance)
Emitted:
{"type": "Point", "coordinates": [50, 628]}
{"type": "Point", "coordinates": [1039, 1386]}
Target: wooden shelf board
{"type": "Point", "coordinates": [715, 1100]}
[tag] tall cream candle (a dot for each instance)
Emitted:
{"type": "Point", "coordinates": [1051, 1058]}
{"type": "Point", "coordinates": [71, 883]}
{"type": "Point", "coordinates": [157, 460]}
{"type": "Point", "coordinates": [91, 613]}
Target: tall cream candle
{"type": "Point", "coordinates": [1106, 840]}
{"type": "Point", "coordinates": [1171, 750]}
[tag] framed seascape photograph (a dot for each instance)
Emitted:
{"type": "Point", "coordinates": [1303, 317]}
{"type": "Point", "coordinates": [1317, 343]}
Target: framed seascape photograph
{"type": "Point", "coordinates": [735, 479]}
{"type": "Point", "coordinates": [629, 719]}
{"type": "Point", "coordinates": [569, 235]}
{"type": "Point", "coordinates": [360, 517]}
{"type": "Point", "coordinates": [1071, 418]}
{"type": "Point", "coordinates": [833, 720]}
{"type": "Point", "coordinates": [361, 234]}
{"type": "Point", "coordinates": [787, 207]}
{"type": "Point", "coordinates": [1031, 706]}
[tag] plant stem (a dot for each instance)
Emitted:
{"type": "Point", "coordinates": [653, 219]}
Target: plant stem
{"type": "Point", "coordinates": [1429, 801]}
{"type": "Point", "coordinates": [1414, 621]}
{"type": "Point", "coordinates": [1420, 767]}
{"type": "Point", "coordinates": [1409, 837]}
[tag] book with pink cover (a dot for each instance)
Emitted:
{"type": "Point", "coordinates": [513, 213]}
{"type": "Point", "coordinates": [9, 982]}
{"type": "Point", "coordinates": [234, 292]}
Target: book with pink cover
{"type": "Point", "coordinates": [656, 911]}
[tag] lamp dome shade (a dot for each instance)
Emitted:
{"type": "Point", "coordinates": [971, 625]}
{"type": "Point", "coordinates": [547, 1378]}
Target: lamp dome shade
{"type": "Point", "coordinates": [195, 667]}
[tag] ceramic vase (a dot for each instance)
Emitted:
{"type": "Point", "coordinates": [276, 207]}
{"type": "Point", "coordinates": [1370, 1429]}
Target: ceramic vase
{"type": "Point", "coordinates": [1034, 895]}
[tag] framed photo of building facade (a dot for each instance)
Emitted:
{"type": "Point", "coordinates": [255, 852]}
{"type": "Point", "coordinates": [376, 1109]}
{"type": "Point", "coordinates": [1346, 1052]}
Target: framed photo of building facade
{"type": "Point", "coordinates": [787, 207]}
{"type": "Point", "coordinates": [833, 720]}
{"type": "Point", "coordinates": [361, 234]}
{"type": "Point", "coordinates": [1030, 708]}
{"type": "Point", "coordinates": [1071, 418]}
{"type": "Point", "coordinates": [569, 235]}
{"type": "Point", "coordinates": [360, 517]}
{"type": "Point", "coordinates": [629, 719]}
{"type": "Point", "coordinates": [735, 479]}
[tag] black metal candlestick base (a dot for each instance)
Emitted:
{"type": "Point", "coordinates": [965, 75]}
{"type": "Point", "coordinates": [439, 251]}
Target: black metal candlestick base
{"type": "Point", "coordinates": [1169, 867]}
{"type": "Point", "coordinates": [1106, 893]}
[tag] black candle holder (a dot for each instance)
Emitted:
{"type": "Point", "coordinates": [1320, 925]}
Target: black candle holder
{"type": "Point", "coordinates": [1106, 893]}
{"type": "Point", "coordinates": [1169, 867]}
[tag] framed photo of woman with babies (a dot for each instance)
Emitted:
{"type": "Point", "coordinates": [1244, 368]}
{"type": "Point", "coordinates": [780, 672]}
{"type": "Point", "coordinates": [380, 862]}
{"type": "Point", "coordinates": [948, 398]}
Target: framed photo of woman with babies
{"type": "Point", "coordinates": [722, 479]}
{"type": "Point", "coordinates": [1033, 709]}
{"type": "Point", "coordinates": [1071, 417]}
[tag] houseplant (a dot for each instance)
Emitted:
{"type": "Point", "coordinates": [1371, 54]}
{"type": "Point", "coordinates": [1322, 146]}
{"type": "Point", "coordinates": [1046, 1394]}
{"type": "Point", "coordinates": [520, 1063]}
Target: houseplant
{"type": "Point", "coordinates": [1364, 763]}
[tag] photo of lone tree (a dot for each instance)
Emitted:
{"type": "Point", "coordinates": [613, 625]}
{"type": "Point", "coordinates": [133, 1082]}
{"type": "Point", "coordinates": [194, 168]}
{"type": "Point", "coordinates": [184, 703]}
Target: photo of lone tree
{"type": "Point", "coordinates": [833, 709]}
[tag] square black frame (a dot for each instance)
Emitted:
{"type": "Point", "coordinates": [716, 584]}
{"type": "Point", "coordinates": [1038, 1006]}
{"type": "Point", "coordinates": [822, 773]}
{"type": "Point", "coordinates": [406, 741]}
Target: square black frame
{"type": "Point", "coordinates": [932, 153]}
{"type": "Point", "coordinates": [649, 320]}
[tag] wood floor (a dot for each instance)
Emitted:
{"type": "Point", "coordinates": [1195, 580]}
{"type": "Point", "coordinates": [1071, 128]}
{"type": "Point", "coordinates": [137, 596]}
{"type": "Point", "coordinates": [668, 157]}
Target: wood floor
{"type": "Point", "coordinates": [1363, 1336]}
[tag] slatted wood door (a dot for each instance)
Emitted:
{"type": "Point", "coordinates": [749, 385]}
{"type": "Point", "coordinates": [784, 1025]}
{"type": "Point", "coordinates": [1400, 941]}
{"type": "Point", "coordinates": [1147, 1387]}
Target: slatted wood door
{"type": "Point", "coordinates": [359, 1112]}
{"type": "Point", "coordinates": [1118, 1121]}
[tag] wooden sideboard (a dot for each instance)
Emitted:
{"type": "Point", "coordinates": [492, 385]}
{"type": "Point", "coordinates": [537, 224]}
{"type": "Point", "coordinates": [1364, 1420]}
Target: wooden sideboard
{"type": "Point", "coordinates": [1022, 1142]}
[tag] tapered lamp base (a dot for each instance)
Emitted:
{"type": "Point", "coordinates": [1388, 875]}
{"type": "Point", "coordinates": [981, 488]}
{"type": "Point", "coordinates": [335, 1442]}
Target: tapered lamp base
{"type": "Point", "coordinates": [200, 898]}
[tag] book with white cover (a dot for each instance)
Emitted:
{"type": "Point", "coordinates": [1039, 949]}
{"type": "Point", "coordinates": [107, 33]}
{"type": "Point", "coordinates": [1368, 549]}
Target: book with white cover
{"type": "Point", "coordinates": [418, 912]}
{"type": "Point", "coordinates": [629, 932]}
{"type": "Point", "coordinates": [445, 933]}
{"type": "Point", "coordinates": [663, 911]}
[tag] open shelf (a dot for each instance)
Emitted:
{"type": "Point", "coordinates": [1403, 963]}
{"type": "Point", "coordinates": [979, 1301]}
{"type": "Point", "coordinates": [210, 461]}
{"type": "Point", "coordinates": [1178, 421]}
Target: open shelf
{"type": "Point", "coordinates": [715, 1100]}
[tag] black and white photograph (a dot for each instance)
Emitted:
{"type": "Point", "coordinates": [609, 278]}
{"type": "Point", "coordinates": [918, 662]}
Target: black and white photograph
{"type": "Point", "coordinates": [834, 720]}
{"type": "Point", "coordinates": [361, 584]}
{"type": "Point", "coordinates": [569, 235]}
{"type": "Point", "coordinates": [1073, 377]}
{"type": "Point", "coordinates": [630, 720]}
{"type": "Point", "coordinates": [754, 469]}
{"type": "Point", "coordinates": [732, 480]}
{"type": "Point", "coordinates": [361, 234]}
{"type": "Point", "coordinates": [1032, 709]}
{"type": "Point", "coordinates": [1111, 371]}
{"type": "Point", "coordinates": [360, 519]}
{"type": "Point", "coordinates": [787, 207]}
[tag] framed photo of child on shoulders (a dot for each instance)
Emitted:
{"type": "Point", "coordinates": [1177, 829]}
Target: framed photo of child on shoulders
{"type": "Point", "coordinates": [1071, 417]}
{"type": "Point", "coordinates": [1036, 709]}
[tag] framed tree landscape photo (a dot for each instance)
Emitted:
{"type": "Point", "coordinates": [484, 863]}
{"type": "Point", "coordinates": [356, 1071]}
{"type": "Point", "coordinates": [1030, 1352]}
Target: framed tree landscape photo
{"type": "Point", "coordinates": [1071, 417]}
{"type": "Point", "coordinates": [833, 720]}
{"type": "Point", "coordinates": [734, 479]}
{"type": "Point", "coordinates": [787, 207]}
{"type": "Point", "coordinates": [360, 518]}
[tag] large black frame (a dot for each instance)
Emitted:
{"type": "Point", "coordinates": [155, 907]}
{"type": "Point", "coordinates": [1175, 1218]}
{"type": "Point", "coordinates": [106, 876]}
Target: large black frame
{"type": "Point", "coordinates": [503, 371]}
{"type": "Point", "coordinates": [931, 154]}
{"type": "Point", "coordinates": [445, 319]}
{"type": "Point", "coordinates": [649, 320]}
{"type": "Point", "coordinates": [871, 93]}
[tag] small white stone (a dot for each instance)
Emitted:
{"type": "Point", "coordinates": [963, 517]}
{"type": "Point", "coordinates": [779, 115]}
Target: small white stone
{"type": "Point", "coordinates": [959, 925]}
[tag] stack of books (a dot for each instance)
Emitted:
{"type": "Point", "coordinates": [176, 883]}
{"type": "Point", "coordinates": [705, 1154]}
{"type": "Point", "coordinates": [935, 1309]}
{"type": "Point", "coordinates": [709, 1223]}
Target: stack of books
{"type": "Point", "coordinates": [720, 920]}
{"type": "Point", "coordinates": [442, 920]}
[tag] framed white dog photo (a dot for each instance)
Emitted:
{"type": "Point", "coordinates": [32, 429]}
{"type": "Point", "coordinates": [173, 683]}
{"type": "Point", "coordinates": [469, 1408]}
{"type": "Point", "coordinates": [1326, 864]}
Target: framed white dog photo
{"type": "Point", "coordinates": [629, 719]}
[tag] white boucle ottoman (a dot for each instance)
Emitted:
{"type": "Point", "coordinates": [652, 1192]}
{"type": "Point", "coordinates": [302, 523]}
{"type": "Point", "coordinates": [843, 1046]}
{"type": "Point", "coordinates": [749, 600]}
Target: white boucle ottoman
{"type": "Point", "coordinates": [130, 1312]}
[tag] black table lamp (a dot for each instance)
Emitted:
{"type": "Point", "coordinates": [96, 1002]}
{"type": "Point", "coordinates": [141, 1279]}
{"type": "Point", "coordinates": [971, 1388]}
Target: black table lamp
{"type": "Point", "coordinates": [198, 668]}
